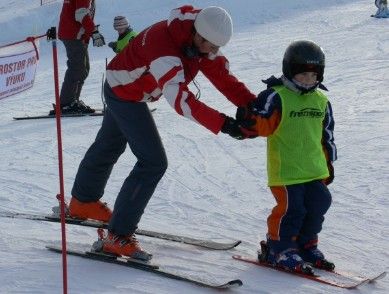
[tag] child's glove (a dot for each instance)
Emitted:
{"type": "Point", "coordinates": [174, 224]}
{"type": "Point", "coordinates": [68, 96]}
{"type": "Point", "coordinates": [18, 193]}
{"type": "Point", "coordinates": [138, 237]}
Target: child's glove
{"type": "Point", "coordinates": [98, 39]}
{"type": "Point", "coordinates": [237, 130]}
{"type": "Point", "coordinates": [331, 177]}
{"type": "Point", "coordinates": [246, 118]}
{"type": "Point", "coordinates": [243, 112]}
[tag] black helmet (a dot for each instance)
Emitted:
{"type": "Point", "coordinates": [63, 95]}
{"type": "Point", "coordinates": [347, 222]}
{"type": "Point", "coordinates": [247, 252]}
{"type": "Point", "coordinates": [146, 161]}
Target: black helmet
{"type": "Point", "coordinates": [303, 56]}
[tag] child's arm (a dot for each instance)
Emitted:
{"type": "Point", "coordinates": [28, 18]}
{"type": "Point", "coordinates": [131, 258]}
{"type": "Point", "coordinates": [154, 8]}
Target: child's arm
{"type": "Point", "coordinates": [328, 134]}
{"type": "Point", "coordinates": [267, 111]}
{"type": "Point", "coordinates": [328, 142]}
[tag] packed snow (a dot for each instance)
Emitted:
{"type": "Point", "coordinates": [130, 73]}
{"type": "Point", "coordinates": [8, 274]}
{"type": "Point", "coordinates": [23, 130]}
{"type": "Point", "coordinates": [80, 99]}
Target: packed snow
{"type": "Point", "coordinates": [215, 186]}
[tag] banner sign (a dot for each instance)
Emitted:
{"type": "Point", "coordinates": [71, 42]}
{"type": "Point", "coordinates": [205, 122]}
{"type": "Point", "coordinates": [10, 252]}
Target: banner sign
{"type": "Point", "coordinates": [17, 72]}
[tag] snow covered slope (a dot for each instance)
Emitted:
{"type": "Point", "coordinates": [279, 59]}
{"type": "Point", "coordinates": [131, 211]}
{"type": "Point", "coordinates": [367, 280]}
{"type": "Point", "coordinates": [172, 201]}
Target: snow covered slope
{"type": "Point", "coordinates": [215, 186]}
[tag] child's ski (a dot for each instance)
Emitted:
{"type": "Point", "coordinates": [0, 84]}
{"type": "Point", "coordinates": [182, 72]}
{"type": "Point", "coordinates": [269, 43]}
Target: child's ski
{"type": "Point", "coordinates": [333, 278]}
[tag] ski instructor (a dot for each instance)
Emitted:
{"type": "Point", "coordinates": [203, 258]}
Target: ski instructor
{"type": "Point", "coordinates": [161, 60]}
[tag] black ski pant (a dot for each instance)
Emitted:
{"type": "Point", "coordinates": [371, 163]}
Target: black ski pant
{"type": "Point", "coordinates": [299, 214]}
{"type": "Point", "coordinates": [77, 70]}
{"type": "Point", "coordinates": [123, 122]}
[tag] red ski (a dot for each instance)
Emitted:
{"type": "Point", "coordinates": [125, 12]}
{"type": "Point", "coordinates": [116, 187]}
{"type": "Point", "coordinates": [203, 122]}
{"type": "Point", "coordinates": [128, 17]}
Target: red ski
{"type": "Point", "coordinates": [333, 278]}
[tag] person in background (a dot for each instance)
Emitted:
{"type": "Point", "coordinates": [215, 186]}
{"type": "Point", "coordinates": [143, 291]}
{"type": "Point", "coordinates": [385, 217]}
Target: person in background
{"type": "Point", "coordinates": [382, 11]}
{"type": "Point", "coordinates": [297, 119]}
{"type": "Point", "coordinates": [125, 34]}
{"type": "Point", "coordinates": [76, 27]}
{"type": "Point", "coordinates": [162, 60]}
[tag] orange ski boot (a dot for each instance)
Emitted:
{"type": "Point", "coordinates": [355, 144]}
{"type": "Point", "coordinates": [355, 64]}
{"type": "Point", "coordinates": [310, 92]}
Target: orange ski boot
{"type": "Point", "coordinates": [127, 246]}
{"type": "Point", "coordinates": [89, 210]}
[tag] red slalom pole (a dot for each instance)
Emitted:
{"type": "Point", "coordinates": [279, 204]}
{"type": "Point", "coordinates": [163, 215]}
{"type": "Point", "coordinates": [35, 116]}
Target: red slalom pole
{"type": "Point", "coordinates": [52, 35]}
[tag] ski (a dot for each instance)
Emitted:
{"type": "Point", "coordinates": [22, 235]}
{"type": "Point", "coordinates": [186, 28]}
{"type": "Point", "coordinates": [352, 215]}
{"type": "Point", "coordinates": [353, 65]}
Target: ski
{"type": "Point", "coordinates": [373, 15]}
{"type": "Point", "coordinates": [144, 266]}
{"type": "Point", "coordinates": [98, 112]}
{"type": "Point", "coordinates": [332, 278]}
{"type": "Point", "coordinates": [209, 244]}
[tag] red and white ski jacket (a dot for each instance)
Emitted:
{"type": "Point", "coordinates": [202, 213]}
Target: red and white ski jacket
{"type": "Point", "coordinates": [76, 20]}
{"type": "Point", "coordinates": [154, 64]}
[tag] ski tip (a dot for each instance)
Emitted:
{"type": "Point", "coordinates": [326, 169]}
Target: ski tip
{"type": "Point", "coordinates": [237, 256]}
{"type": "Point", "coordinates": [236, 282]}
{"type": "Point", "coordinates": [53, 248]}
{"type": "Point", "coordinates": [378, 277]}
{"type": "Point", "coordinates": [228, 285]}
{"type": "Point", "coordinates": [237, 243]}
{"type": "Point", "coordinates": [221, 246]}
{"type": "Point", "coordinates": [355, 286]}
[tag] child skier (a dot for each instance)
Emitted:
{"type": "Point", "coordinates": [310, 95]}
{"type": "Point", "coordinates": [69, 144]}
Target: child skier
{"type": "Point", "coordinates": [297, 119]}
{"type": "Point", "coordinates": [125, 33]}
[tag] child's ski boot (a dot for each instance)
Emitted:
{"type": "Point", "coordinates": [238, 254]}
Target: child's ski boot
{"type": "Point", "coordinates": [311, 254]}
{"type": "Point", "coordinates": [288, 259]}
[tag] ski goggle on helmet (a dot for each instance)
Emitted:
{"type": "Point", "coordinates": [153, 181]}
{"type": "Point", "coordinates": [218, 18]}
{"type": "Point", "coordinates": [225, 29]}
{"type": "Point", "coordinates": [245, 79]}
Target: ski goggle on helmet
{"type": "Point", "coordinates": [303, 56]}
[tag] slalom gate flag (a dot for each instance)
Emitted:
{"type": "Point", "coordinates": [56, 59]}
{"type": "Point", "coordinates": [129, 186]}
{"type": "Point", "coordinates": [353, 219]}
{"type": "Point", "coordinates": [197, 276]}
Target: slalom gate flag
{"type": "Point", "coordinates": [17, 70]}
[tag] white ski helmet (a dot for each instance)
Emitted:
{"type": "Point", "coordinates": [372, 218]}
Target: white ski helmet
{"type": "Point", "coordinates": [215, 25]}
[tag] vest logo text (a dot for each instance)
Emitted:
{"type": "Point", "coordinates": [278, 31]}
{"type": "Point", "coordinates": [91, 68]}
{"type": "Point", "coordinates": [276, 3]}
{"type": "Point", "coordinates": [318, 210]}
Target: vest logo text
{"type": "Point", "coordinates": [307, 112]}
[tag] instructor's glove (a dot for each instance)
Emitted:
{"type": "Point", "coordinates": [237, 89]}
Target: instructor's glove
{"type": "Point", "coordinates": [237, 130]}
{"type": "Point", "coordinates": [331, 177]}
{"type": "Point", "coordinates": [98, 39]}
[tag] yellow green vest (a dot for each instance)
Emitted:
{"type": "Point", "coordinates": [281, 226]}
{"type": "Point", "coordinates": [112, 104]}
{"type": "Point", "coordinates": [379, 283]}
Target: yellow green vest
{"type": "Point", "coordinates": [294, 151]}
{"type": "Point", "coordinates": [120, 44]}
